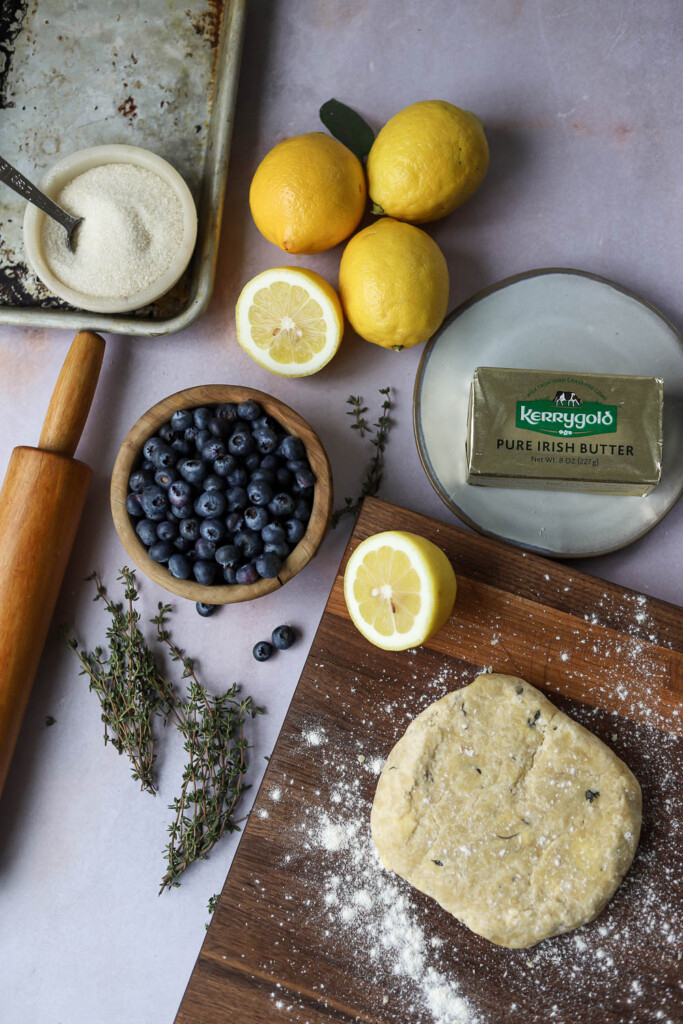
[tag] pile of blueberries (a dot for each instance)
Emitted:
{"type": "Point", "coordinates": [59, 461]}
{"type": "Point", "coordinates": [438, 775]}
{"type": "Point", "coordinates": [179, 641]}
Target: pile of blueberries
{"type": "Point", "coordinates": [223, 494]}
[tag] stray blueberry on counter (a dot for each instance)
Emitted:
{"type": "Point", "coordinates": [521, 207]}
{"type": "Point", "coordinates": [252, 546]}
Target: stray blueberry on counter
{"type": "Point", "coordinates": [283, 637]}
{"type": "Point", "coordinates": [205, 610]}
{"type": "Point", "coordinates": [262, 650]}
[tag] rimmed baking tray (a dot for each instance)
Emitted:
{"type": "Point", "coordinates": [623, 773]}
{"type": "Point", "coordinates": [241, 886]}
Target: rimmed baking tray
{"type": "Point", "coordinates": [80, 73]}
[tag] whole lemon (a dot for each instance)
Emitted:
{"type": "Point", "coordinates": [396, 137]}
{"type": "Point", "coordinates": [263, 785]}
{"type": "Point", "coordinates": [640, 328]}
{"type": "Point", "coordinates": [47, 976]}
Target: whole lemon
{"type": "Point", "coordinates": [426, 161]}
{"type": "Point", "coordinates": [308, 194]}
{"type": "Point", "coordinates": [393, 283]}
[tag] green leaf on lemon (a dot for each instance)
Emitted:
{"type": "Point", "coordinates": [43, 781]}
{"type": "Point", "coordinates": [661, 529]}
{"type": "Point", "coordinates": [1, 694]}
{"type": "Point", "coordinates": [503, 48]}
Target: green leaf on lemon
{"type": "Point", "coordinates": [348, 127]}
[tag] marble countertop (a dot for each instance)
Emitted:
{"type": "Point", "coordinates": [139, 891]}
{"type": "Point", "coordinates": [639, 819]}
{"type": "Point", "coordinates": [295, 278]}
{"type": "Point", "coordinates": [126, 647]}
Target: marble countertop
{"type": "Point", "coordinates": [581, 105]}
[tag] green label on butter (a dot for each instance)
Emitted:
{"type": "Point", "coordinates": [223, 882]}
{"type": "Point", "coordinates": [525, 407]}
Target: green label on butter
{"type": "Point", "coordinates": [566, 416]}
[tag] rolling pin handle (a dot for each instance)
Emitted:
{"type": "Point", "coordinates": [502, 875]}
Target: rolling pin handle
{"type": "Point", "coordinates": [73, 395]}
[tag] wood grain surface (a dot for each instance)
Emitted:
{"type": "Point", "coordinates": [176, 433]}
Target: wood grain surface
{"type": "Point", "coordinates": [614, 659]}
{"type": "Point", "coordinates": [212, 394]}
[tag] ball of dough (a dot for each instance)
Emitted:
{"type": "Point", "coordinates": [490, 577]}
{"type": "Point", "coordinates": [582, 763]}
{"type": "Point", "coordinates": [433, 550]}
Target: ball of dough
{"type": "Point", "coordinates": [511, 815]}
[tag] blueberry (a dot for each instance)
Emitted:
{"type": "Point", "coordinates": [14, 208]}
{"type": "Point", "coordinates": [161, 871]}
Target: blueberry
{"type": "Point", "coordinates": [249, 543]}
{"type": "Point", "coordinates": [249, 410]}
{"type": "Point", "coordinates": [203, 438]}
{"type": "Point", "coordinates": [302, 510]}
{"type": "Point", "coordinates": [165, 477]}
{"type": "Point", "coordinates": [236, 498]}
{"type": "Point", "coordinates": [296, 464]}
{"type": "Point", "coordinates": [282, 506]}
{"type": "Point", "coordinates": [180, 566]}
{"type": "Point", "coordinates": [238, 477]}
{"type": "Point", "coordinates": [252, 462]}
{"type": "Point", "coordinates": [182, 419]}
{"type": "Point", "coordinates": [154, 502]}
{"type": "Point", "coordinates": [264, 474]}
{"type": "Point", "coordinates": [202, 417]}
{"type": "Point", "coordinates": [194, 471]}
{"type": "Point", "coordinates": [167, 433]}
{"type": "Point", "coordinates": [140, 479]}
{"type": "Point", "coordinates": [164, 456]}
{"type": "Point", "coordinates": [205, 610]}
{"type": "Point", "coordinates": [204, 572]}
{"type": "Point", "coordinates": [227, 411]}
{"type": "Point", "coordinates": [225, 465]}
{"type": "Point", "coordinates": [189, 528]}
{"type": "Point", "coordinates": [181, 447]}
{"type": "Point", "coordinates": [291, 448]}
{"type": "Point", "coordinates": [213, 449]}
{"type": "Point", "coordinates": [247, 573]}
{"type": "Point", "coordinates": [147, 466]}
{"type": "Point", "coordinates": [283, 637]}
{"type": "Point", "coordinates": [262, 650]}
{"type": "Point", "coordinates": [295, 530]}
{"type": "Point", "coordinates": [266, 440]}
{"type": "Point", "coordinates": [180, 493]}
{"type": "Point", "coordinates": [255, 518]}
{"type": "Point", "coordinates": [234, 521]}
{"type": "Point", "coordinates": [270, 462]}
{"type": "Point", "coordinates": [259, 492]}
{"type": "Point", "coordinates": [182, 511]}
{"type": "Point", "coordinates": [241, 427]}
{"type": "Point", "coordinates": [212, 529]}
{"type": "Point", "coordinates": [228, 555]}
{"type": "Point", "coordinates": [304, 478]}
{"type": "Point", "coordinates": [167, 530]}
{"type": "Point", "coordinates": [150, 446]}
{"type": "Point", "coordinates": [182, 545]}
{"type": "Point", "coordinates": [204, 548]}
{"type": "Point", "coordinates": [134, 505]}
{"type": "Point", "coordinates": [161, 551]}
{"type": "Point", "coordinates": [240, 444]}
{"type": "Point", "coordinates": [230, 574]}
{"type": "Point", "coordinates": [268, 565]}
{"type": "Point", "coordinates": [220, 428]}
{"type": "Point", "coordinates": [146, 531]}
{"type": "Point", "coordinates": [284, 477]}
{"type": "Point", "coordinates": [281, 549]}
{"type": "Point", "coordinates": [190, 434]}
{"type": "Point", "coordinates": [213, 482]}
{"type": "Point", "coordinates": [273, 533]}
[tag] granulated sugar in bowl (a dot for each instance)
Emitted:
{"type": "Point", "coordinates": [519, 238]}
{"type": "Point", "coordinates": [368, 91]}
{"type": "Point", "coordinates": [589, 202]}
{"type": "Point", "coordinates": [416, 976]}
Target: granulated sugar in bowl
{"type": "Point", "coordinates": [138, 232]}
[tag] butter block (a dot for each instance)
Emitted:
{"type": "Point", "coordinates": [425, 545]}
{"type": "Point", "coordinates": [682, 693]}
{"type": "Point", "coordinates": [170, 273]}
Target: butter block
{"type": "Point", "coordinates": [554, 430]}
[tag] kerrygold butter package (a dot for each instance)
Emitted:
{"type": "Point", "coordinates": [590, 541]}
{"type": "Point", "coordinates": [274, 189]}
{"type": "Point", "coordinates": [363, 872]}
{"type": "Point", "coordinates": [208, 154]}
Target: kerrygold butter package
{"type": "Point", "coordinates": [551, 430]}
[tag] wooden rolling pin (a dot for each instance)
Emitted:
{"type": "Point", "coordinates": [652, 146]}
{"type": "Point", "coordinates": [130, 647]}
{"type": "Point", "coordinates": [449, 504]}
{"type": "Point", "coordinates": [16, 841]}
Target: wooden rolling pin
{"type": "Point", "coordinates": [41, 502]}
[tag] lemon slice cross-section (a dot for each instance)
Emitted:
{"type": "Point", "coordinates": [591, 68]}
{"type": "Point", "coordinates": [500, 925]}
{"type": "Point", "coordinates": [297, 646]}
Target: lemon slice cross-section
{"type": "Point", "coordinates": [290, 321]}
{"type": "Point", "coordinates": [399, 589]}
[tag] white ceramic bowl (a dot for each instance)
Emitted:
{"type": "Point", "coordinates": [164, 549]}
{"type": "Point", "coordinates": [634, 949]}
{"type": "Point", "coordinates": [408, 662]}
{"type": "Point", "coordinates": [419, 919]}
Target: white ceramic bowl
{"type": "Point", "coordinates": [69, 168]}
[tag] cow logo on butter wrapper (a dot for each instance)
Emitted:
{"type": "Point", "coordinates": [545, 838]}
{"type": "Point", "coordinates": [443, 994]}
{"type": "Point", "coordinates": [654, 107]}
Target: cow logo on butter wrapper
{"type": "Point", "coordinates": [566, 416]}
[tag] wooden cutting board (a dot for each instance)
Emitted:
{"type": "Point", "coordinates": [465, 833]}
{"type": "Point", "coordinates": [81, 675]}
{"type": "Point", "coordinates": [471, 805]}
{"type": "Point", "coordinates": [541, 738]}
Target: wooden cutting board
{"type": "Point", "coordinates": [307, 930]}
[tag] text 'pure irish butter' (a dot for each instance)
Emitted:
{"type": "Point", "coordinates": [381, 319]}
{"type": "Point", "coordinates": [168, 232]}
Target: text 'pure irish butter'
{"type": "Point", "coordinates": [554, 430]}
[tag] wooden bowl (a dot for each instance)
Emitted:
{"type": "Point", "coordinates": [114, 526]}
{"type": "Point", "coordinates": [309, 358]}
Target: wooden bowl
{"type": "Point", "coordinates": [215, 394]}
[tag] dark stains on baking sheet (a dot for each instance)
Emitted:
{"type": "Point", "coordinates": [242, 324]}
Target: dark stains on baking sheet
{"type": "Point", "coordinates": [208, 24]}
{"type": "Point", "coordinates": [12, 14]}
{"type": "Point", "coordinates": [18, 288]}
{"type": "Point", "coordinates": [128, 109]}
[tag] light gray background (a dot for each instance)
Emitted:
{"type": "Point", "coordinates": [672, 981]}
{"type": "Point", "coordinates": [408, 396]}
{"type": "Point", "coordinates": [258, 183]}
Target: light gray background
{"type": "Point", "coordinates": [581, 104]}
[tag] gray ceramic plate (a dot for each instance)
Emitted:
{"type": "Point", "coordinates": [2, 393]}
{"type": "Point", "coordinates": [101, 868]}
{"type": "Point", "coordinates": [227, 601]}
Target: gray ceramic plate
{"type": "Point", "coordinates": [556, 320]}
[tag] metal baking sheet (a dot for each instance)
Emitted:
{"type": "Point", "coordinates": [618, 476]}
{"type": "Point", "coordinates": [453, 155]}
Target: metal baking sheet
{"type": "Point", "coordinates": [75, 73]}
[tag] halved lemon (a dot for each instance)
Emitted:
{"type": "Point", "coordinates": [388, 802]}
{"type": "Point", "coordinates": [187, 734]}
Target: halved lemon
{"type": "Point", "coordinates": [290, 321]}
{"type": "Point", "coordinates": [399, 589]}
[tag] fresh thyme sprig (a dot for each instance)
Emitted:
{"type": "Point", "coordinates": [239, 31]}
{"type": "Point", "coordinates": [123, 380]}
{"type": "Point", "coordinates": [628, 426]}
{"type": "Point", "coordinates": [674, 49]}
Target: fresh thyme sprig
{"type": "Point", "coordinates": [357, 410]}
{"type": "Point", "coordinates": [378, 439]}
{"type": "Point", "coordinates": [133, 692]}
{"type": "Point", "coordinates": [126, 682]}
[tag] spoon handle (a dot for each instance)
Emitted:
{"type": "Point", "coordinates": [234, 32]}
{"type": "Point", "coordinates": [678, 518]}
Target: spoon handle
{"type": "Point", "coordinates": [16, 180]}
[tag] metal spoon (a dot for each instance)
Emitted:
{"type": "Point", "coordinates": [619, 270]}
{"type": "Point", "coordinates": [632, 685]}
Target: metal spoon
{"type": "Point", "coordinates": [12, 177]}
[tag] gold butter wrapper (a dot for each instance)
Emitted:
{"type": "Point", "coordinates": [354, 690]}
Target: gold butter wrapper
{"type": "Point", "coordinates": [549, 430]}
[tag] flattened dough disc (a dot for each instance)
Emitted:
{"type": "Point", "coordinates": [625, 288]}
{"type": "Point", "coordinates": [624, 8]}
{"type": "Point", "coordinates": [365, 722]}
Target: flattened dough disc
{"type": "Point", "coordinates": [506, 811]}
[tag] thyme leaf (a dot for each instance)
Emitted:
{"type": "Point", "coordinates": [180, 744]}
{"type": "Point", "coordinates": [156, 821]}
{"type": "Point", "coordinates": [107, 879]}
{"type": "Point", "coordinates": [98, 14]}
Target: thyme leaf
{"type": "Point", "coordinates": [378, 441]}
